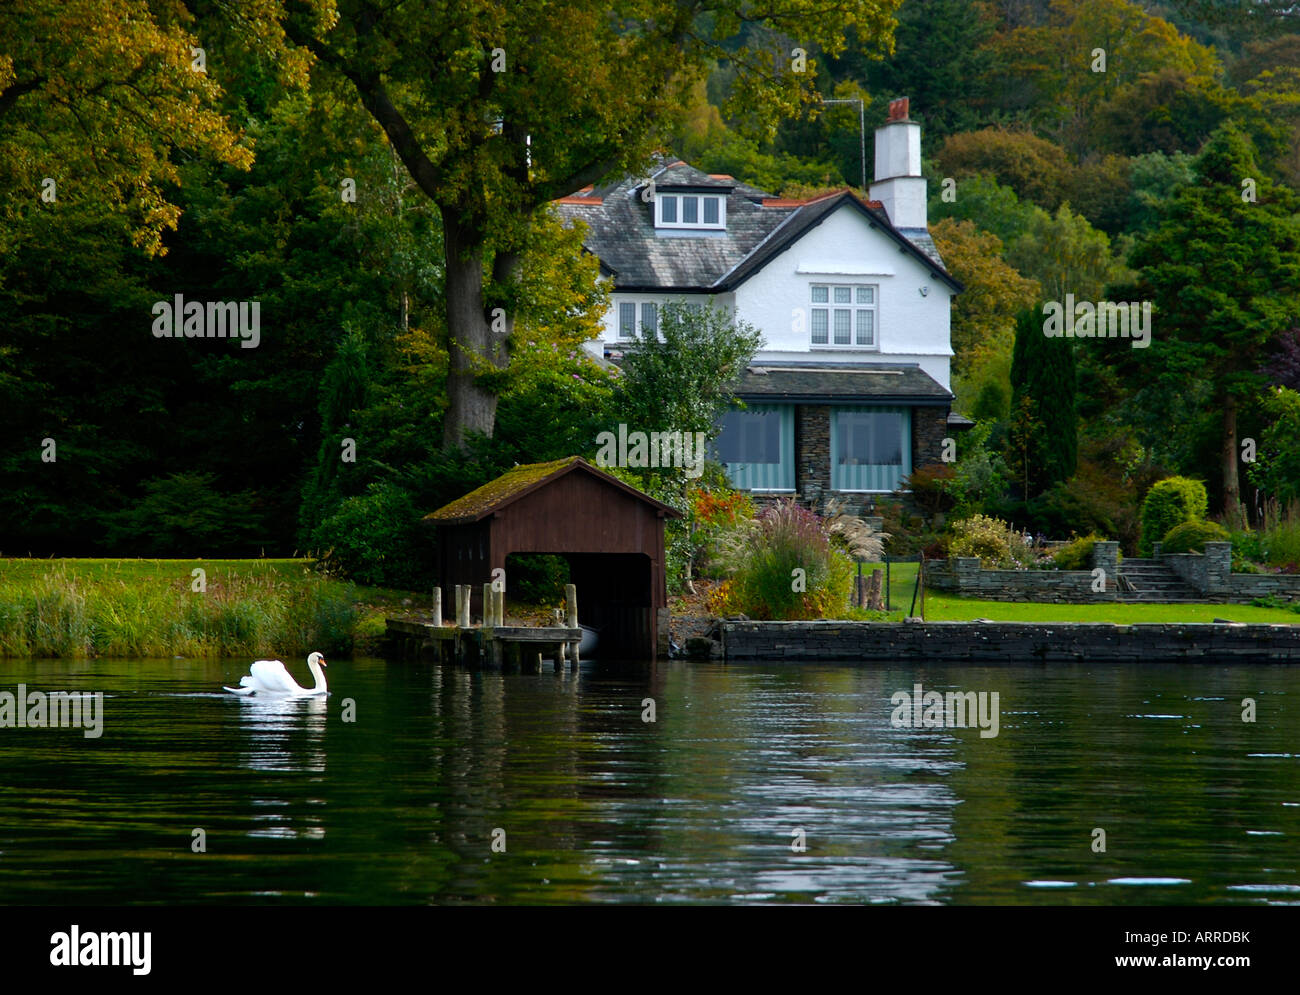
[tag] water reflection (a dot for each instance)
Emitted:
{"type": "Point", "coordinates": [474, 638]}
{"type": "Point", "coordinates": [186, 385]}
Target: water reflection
{"type": "Point", "coordinates": [598, 804]}
{"type": "Point", "coordinates": [284, 735]}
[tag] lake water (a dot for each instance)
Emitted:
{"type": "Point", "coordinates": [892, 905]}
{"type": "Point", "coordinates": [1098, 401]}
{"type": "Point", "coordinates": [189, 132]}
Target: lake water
{"type": "Point", "coordinates": [593, 804]}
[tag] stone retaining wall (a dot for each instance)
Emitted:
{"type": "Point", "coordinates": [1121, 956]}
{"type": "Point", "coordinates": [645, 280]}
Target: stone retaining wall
{"type": "Point", "coordinates": [1209, 573]}
{"type": "Point", "coordinates": [963, 575]}
{"type": "Point", "coordinates": [1007, 642]}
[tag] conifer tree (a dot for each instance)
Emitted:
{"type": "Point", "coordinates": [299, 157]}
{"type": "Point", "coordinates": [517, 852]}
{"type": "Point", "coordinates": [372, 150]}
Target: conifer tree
{"type": "Point", "coordinates": [1222, 270]}
{"type": "Point", "coordinates": [1043, 405]}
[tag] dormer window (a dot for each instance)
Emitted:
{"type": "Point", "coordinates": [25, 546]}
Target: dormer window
{"type": "Point", "coordinates": [690, 210]}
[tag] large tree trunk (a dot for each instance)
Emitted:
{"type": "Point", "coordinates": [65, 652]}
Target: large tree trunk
{"type": "Point", "coordinates": [475, 349]}
{"type": "Point", "coordinates": [1232, 510]}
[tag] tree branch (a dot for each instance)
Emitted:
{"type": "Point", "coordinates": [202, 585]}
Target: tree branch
{"type": "Point", "coordinates": [9, 96]}
{"type": "Point", "coordinates": [374, 97]}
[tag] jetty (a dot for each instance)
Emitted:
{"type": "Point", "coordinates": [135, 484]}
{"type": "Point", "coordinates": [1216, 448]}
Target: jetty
{"type": "Point", "coordinates": [490, 643]}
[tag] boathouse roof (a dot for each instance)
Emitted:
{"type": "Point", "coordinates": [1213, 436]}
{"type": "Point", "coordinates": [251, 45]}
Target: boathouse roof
{"type": "Point", "coordinates": [521, 480]}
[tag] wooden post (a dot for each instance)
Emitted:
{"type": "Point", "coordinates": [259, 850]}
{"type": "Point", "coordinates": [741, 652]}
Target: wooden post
{"type": "Point", "coordinates": [499, 607]}
{"type": "Point", "coordinates": [487, 605]}
{"type": "Point", "coordinates": [874, 599]}
{"type": "Point", "coordinates": [571, 617]}
{"type": "Point", "coordinates": [571, 605]}
{"type": "Point", "coordinates": [462, 605]}
{"type": "Point", "coordinates": [921, 581]}
{"type": "Point", "coordinates": [437, 606]}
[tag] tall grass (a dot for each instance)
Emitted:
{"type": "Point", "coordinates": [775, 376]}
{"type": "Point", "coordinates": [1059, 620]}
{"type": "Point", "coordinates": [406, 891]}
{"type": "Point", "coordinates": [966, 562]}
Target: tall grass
{"type": "Point", "coordinates": [785, 538]}
{"type": "Point", "coordinates": [57, 613]}
{"type": "Point", "coordinates": [1279, 535]}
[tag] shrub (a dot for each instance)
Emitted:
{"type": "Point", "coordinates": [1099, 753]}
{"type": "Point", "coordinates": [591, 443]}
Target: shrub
{"type": "Point", "coordinates": [1247, 551]}
{"type": "Point", "coordinates": [1170, 502]}
{"type": "Point", "coordinates": [1279, 540]}
{"type": "Point", "coordinates": [716, 515]}
{"type": "Point", "coordinates": [904, 539]}
{"type": "Point", "coordinates": [1077, 554]}
{"type": "Point", "coordinates": [1273, 601]}
{"type": "Point", "coordinates": [376, 539]}
{"type": "Point", "coordinates": [992, 540]}
{"type": "Point", "coordinates": [1191, 537]}
{"type": "Point", "coordinates": [934, 488]}
{"type": "Point", "coordinates": [783, 539]}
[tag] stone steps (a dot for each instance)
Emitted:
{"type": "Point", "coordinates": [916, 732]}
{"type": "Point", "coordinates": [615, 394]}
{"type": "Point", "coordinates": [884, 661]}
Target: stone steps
{"type": "Point", "coordinates": [1155, 583]}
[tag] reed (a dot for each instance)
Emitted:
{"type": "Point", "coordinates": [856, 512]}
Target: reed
{"type": "Point", "coordinates": [60, 612]}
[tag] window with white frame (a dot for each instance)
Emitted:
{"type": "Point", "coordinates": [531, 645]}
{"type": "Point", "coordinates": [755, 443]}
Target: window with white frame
{"type": "Point", "coordinates": [843, 316]}
{"type": "Point", "coordinates": [637, 317]}
{"type": "Point", "coordinates": [690, 210]}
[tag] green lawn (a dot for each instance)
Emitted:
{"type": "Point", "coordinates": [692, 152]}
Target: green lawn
{"type": "Point", "coordinates": [943, 607]}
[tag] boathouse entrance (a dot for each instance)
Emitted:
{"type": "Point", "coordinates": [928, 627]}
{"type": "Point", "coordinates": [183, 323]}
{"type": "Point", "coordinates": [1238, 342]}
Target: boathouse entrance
{"type": "Point", "coordinates": [611, 534]}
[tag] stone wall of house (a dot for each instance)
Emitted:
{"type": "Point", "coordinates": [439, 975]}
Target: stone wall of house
{"type": "Point", "coordinates": [929, 429]}
{"type": "Point", "coordinates": [1007, 642]}
{"type": "Point", "coordinates": [812, 453]}
{"type": "Point", "coordinates": [812, 459]}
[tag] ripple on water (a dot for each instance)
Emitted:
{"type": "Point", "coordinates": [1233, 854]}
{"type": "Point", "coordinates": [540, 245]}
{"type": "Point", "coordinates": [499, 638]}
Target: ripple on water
{"type": "Point", "coordinates": [1050, 884]}
{"type": "Point", "coordinates": [1266, 889]}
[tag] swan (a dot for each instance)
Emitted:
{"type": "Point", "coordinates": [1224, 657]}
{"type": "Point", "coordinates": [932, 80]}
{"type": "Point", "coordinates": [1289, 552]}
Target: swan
{"type": "Point", "coordinates": [271, 677]}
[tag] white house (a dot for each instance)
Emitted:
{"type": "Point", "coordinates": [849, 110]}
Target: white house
{"type": "Point", "coordinates": [850, 391]}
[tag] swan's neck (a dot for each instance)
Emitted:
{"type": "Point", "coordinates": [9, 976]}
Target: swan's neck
{"type": "Point", "coordinates": [318, 674]}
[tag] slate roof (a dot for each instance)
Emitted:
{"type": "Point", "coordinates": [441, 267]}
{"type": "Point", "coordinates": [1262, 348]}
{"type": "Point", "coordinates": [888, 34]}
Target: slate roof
{"type": "Point", "coordinates": [520, 480]}
{"type": "Point", "coordinates": [817, 383]}
{"type": "Point", "coordinates": [759, 226]}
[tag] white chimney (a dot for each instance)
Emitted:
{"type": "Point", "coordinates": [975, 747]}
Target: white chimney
{"type": "Point", "coordinates": [899, 186]}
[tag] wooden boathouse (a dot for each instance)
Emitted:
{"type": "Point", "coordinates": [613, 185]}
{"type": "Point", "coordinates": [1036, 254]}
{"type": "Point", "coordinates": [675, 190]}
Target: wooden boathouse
{"type": "Point", "coordinates": [611, 535]}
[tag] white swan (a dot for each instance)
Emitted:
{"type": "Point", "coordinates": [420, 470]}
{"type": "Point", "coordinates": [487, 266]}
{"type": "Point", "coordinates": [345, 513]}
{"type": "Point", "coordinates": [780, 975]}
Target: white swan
{"type": "Point", "coordinates": [270, 677]}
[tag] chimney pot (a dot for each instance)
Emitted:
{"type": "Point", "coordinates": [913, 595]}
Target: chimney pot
{"type": "Point", "coordinates": [898, 109]}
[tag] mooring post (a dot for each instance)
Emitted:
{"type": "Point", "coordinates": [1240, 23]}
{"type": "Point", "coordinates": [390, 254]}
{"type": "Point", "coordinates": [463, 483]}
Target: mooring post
{"type": "Point", "coordinates": [571, 617]}
{"type": "Point", "coordinates": [437, 606]}
{"type": "Point", "coordinates": [499, 606]}
{"type": "Point", "coordinates": [462, 605]}
{"type": "Point", "coordinates": [921, 581]}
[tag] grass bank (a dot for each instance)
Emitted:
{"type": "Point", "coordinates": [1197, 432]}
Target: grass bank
{"type": "Point", "coordinates": [140, 608]}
